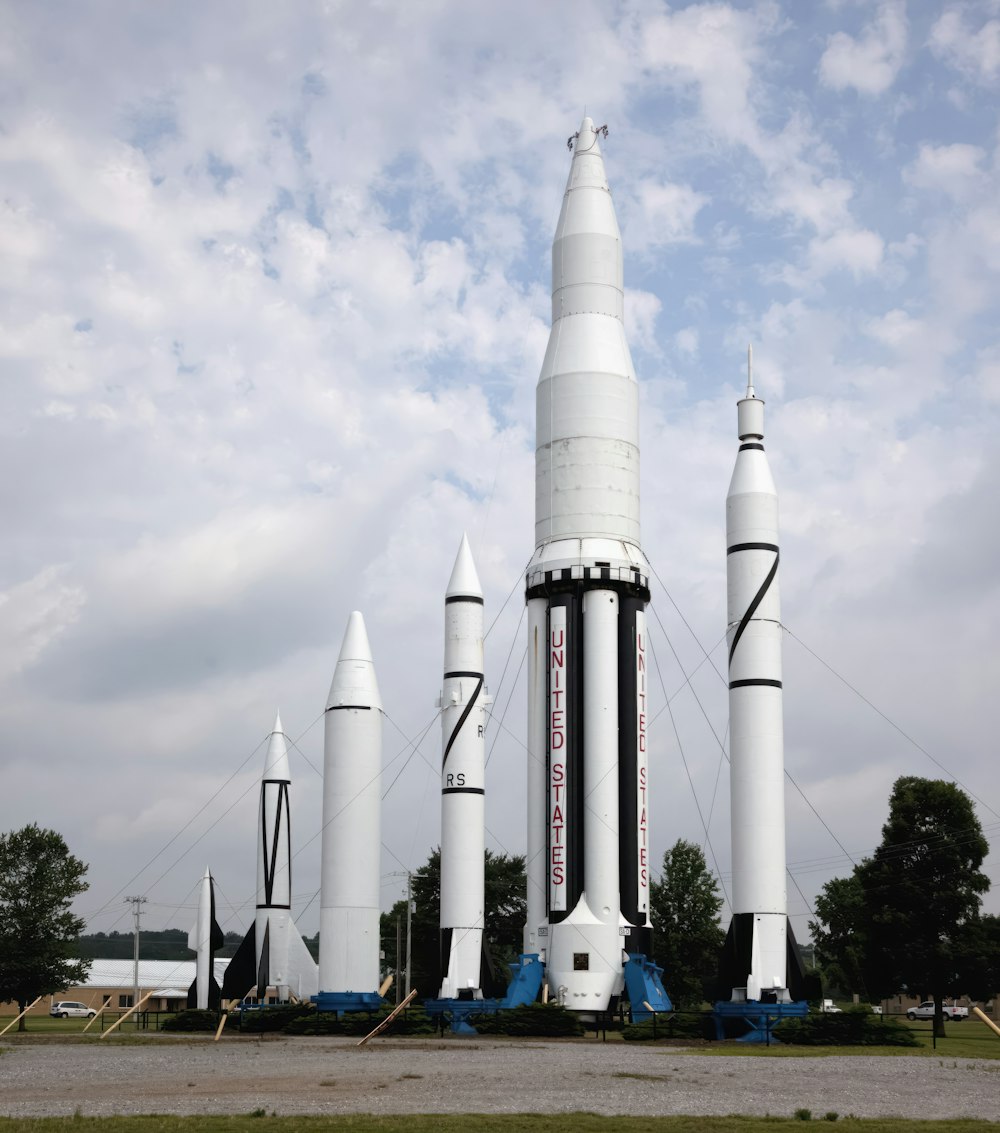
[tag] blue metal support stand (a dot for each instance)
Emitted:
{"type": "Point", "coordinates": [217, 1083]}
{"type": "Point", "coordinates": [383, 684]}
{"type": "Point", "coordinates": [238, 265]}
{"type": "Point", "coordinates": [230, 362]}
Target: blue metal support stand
{"type": "Point", "coordinates": [760, 1018]}
{"type": "Point", "coordinates": [525, 984]}
{"type": "Point", "coordinates": [644, 987]}
{"type": "Point", "coordinates": [345, 1001]}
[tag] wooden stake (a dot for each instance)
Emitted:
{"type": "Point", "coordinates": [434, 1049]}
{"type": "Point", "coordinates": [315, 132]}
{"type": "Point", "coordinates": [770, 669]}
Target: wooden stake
{"type": "Point", "coordinates": [389, 1018]}
{"type": "Point", "coordinates": [226, 1008]}
{"type": "Point", "coordinates": [21, 1016]}
{"type": "Point", "coordinates": [987, 1020]}
{"type": "Point", "coordinates": [130, 1011]}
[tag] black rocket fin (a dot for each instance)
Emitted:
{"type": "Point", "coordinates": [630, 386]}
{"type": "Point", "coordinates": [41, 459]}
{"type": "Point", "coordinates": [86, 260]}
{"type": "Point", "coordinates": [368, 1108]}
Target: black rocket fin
{"type": "Point", "coordinates": [264, 968]}
{"type": "Point", "coordinates": [241, 971]}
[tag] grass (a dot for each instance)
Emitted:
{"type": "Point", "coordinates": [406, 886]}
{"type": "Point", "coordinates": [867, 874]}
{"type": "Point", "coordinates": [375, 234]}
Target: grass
{"type": "Point", "coordinates": [461, 1123]}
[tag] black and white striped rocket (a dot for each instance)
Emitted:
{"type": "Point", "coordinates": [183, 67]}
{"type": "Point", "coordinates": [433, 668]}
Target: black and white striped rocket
{"type": "Point", "coordinates": [205, 938]}
{"type": "Point", "coordinates": [273, 953]}
{"type": "Point", "coordinates": [758, 943]}
{"type": "Point", "coordinates": [587, 587]}
{"type": "Point", "coordinates": [463, 724]}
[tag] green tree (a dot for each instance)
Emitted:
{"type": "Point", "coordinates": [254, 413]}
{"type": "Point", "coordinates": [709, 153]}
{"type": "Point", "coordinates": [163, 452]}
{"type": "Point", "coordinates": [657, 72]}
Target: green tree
{"type": "Point", "coordinates": [39, 878]}
{"type": "Point", "coordinates": [687, 937]}
{"type": "Point", "coordinates": [909, 916]}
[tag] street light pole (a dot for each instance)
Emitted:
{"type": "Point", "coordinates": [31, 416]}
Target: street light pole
{"type": "Point", "coordinates": [136, 903]}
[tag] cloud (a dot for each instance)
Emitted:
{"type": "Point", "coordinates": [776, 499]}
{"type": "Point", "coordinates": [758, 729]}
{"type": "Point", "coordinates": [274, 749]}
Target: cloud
{"type": "Point", "coordinates": [975, 51]}
{"type": "Point", "coordinates": [871, 62]}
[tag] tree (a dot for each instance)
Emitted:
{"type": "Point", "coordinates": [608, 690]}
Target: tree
{"type": "Point", "coordinates": [39, 878]}
{"type": "Point", "coordinates": [909, 916]}
{"type": "Point", "coordinates": [687, 936]}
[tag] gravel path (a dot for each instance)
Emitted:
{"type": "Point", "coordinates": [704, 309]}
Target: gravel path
{"type": "Point", "coordinates": [331, 1075]}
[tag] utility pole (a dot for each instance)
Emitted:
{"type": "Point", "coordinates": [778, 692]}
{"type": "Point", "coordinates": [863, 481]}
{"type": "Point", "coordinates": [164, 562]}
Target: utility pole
{"type": "Point", "coordinates": [136, 903]}
{"type": "Point", "coordinates": [409, 922]}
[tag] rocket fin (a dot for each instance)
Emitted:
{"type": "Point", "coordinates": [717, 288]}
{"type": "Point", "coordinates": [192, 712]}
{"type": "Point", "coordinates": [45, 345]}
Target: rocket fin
{"type": "Point", "coordinates": [264, 967]}
{"type": "Point", "coordinates": [303, 971]}
{"type": "Point", "coordinates": [242, 969]}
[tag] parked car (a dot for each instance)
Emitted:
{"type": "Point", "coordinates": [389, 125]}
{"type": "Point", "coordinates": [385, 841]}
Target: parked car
{"type": "Point", "coordinates": [926, 1011]}
{"type": "Point", "coordinates": [67, 1009]}
{"type": "Point", "coordinates": [828, 1007]}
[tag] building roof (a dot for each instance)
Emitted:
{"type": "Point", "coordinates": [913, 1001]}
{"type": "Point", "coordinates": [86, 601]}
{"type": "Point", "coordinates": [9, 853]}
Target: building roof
{"type": "Point", "coordinates": [169, 977]}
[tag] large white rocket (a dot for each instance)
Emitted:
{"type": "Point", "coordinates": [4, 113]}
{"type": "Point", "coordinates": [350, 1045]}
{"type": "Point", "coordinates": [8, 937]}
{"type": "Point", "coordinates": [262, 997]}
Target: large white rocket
{"type": "Point", "coordinates": [756, 964]}
{"type": "Point", "coordinates": [352, 801]}
{"type": "Point", "coordinates": [587, 587]}
{"type": "Point", "coordinates": [273, 953]}
{"type": "Point", "coordinates": [463, 726]}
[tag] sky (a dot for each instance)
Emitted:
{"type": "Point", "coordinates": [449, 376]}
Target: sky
{"type": "Point", "coordinates": [274, 295]}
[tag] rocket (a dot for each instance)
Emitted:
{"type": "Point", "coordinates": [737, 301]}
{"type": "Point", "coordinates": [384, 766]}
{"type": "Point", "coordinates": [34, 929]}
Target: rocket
{"type": "Point", "coordinates": [352, 841]}
{"type": "Point", "coordinates": [273, 953]}
{"type": "Point", "coordinates": [760, 943]}
{"type": "Point", "coordinates": [463, 724]}
{"type": "Point", "coordinates": [587, 587]}
{"type": "Point", "coordinates": [205, 938]}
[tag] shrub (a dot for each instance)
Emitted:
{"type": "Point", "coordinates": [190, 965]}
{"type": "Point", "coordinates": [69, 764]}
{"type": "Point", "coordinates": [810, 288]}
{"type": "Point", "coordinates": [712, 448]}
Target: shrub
{"type": "Point", "coordinates": [413, 1021]}
{"type": "Point", "coordinates": [689, 1025]}
{"type": "Point", "coordinates": [192, 1020]}
{"type": "Point", "coordinates": [264, 1019]}
{"type": "Point", "coordinates": [532, 1020]}
{"type": "Point", "coordinates": [851, 1028]}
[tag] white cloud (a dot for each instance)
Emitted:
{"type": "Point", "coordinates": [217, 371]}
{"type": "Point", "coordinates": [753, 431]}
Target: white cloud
{"type": "Point", "coordinates": [870, 63]}
{"type": "Point", "coordinates": [952, 169]}
{"type": "Point", "coordinates": [975, 51]}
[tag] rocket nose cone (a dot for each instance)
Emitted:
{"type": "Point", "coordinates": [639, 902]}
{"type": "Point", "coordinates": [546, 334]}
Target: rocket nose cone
{"type": "Point", "coordinates": [276, 760]}
{"type": "Point", "coordinates": [354, 677]}
{"type": "Point", "coordinates": [464, 581]}
{"type": "Point", "coordinates": [586, 141]}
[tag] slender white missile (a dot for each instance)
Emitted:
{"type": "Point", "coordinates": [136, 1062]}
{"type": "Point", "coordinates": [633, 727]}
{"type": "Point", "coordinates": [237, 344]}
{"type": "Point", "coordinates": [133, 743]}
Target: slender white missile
{"type": "Point", "coordinates": [352, 791]}
{"type": "Point", "coordinates": [756, 951]}
{"type": "Point", "coordinates": [463, 724]}
{"type": "Point", "coordinates": [273, 954]}
{"type": "Point", "coordinates": [205, 938]}
{"type": "Point", "coordinates": [586, 589]}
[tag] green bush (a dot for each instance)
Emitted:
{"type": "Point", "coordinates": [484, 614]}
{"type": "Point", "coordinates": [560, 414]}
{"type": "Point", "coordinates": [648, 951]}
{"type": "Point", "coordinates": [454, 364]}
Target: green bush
{"type": "Point", "coordinates": [689, 1025]}
{"type": "Point", "coordinates": [413, 1021]}
{"type": "Point", "coordinates": [533, 1020]}
{"type": "Point", "coordinates": [192, 1020]}
{"type": "Point", "coordinates": [851, 1028]}
{"type": "Point", "coordinates": [264, 1019]}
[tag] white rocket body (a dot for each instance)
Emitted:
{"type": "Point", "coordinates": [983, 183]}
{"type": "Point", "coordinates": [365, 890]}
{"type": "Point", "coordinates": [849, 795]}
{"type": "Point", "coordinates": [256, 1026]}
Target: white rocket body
{"type": "Point", "coordinates": [755, 706]}
{"type": "Point", "coordinates": [352, 841]}
{"type": "Point", "coordinates": [204, 938]}
{"type": "Point", "coordinates": [586, 588]}
{"type": "Point", "coordinates": [283, 961]}
{"type": "Point", "coordinates": [273, 956]}
{"type": "Point", "coordinates": [463, 725]}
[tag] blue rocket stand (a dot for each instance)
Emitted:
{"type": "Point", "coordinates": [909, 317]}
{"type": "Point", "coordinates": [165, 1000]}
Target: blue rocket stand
{"type": "Point", "coordinates": [345, 1001]}
{"type": "Point", "coordinates": [760, 1018]}
{"type": "Point", "coordinates": [525, 984]}
{"type": "Point", "coordinates": [644, 986]}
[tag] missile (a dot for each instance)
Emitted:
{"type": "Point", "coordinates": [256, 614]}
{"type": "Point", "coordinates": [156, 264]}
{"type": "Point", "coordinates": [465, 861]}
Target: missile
{"type": "Point", "coordinates": [587, 587]}
{"type": "Point", "coordinates": [463, 724]}
{"type": "Point", "coordinates": [273, 953]}
{"type": "Point", "coordinates": [205, 938]}
{"type": "Point", "coordinates": [757, 947]}
{"type": "Point", "coordinates": [352, 841]}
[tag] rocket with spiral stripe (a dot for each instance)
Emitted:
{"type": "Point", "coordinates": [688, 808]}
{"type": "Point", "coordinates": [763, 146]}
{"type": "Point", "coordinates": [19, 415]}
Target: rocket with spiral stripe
{"type": "Point", "coordinates": [755, 964]}
{"type": "Point", "coordinates": [463, 722]}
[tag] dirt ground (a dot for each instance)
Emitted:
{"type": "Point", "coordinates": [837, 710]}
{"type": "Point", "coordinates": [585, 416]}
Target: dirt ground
{"type": "Point", "coordinates": [332, 1075]}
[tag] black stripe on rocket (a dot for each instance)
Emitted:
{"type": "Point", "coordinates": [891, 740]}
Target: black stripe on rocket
{"type": "Point", "coordinates": [465, 714]}
{"type": "Point", "coordinates": [757, 599]}
{"type": "Point", "coordinates": [271, 842]}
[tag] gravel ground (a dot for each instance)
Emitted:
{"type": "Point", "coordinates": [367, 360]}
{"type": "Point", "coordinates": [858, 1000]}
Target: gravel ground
{"type": "Point", "coordinates": [332, 1075]}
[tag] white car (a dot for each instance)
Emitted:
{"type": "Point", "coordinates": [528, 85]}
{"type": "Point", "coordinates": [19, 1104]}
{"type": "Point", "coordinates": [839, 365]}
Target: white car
{"type": "Point", "coordinates": [926, 1011]}
{"type": "Point", "coordinates": [67, 1009]}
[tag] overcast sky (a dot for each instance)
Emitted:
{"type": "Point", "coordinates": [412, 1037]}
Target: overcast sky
{"type": "Point", "coordinates": [274, 294]}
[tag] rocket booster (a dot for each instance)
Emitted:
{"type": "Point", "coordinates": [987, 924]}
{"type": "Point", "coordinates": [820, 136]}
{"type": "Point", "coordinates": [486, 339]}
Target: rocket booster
{"type": "Point", "coordinates": [205, 938]}
{"type": "Point", "coordinates": [587, 587]}
{"type": "Point", "coordinates": [352, 841]}
{"type": "Point", "coordinates": [758, 937]}
{"type": "Point", "coordinates": [273, 953]}
{"type": "Point", "coordinates": [463, 722]}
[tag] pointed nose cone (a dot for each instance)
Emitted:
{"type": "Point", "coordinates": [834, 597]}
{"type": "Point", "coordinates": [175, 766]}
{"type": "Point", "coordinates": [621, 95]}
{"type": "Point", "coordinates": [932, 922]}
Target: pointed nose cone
{"type": "Point", "coordinates": [276, 760]}
{"type": "Point", "coordinates": [464, 581]}
{"type": "Point", "coordinates": [354, 683]}
{"type": "Point", "coordinates": [208, 875]}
